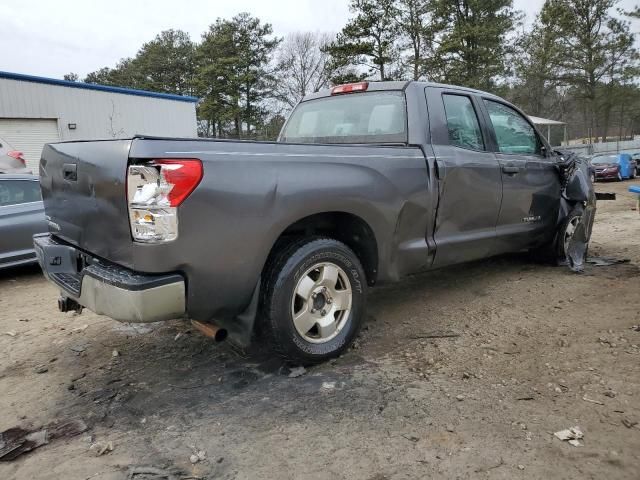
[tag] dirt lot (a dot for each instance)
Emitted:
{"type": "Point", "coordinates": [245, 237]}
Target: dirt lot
{"type": "Point", "coordinates": [538, 349]}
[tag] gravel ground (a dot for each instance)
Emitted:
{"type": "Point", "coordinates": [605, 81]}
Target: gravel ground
{"type": "Point", "coordinates": [527, 350]}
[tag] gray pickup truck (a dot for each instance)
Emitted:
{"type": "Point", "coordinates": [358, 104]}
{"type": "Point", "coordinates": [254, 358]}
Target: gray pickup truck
{"type": "Point", "coordinates": [367, 183]}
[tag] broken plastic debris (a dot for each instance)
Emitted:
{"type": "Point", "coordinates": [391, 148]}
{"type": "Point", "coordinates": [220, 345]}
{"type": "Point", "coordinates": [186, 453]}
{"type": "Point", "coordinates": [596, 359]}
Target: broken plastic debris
{"type": "Point", "coordinates": [100, 449]}
{"type": "Point", "coordinates": [571, 435]}
{"type": "Point", "coordinates": [577, 248]}
{"type": "Point", "coordinates": [79, 348]}
{"type": "Point", "coordinates": [16, 441]}
{"type": "Point", "coordinates": [297, 372]}
{"type": "Point", "coordinates": [198, 456]}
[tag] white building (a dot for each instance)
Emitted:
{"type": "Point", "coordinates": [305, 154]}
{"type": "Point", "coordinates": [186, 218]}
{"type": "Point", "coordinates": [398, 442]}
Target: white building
{"type": "Point", "coordinates": [36, 110]}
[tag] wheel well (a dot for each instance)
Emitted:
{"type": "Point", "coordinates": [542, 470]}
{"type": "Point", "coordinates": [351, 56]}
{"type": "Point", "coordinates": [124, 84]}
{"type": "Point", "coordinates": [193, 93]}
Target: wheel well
{"type": "Point", "coordinates": [344, 227]}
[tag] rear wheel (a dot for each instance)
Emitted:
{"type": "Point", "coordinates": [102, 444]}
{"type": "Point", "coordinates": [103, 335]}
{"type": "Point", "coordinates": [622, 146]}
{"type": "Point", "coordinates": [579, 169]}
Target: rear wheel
{"type": "Point", "coordinates": [314, 300]}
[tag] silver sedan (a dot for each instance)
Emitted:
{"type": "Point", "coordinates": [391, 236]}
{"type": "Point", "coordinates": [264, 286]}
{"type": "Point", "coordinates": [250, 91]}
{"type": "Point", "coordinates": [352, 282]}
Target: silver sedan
{"type": "Point", "coordinates": [21, 216]}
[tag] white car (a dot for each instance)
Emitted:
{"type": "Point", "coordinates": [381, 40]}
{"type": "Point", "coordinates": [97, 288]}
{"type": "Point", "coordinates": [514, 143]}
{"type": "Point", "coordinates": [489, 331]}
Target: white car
{"type": "Point", "coordinates": [11, 160]}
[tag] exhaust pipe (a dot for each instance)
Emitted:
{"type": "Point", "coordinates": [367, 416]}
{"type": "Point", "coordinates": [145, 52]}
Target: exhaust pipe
{"type": "Point", "coordinates": [210, 330]}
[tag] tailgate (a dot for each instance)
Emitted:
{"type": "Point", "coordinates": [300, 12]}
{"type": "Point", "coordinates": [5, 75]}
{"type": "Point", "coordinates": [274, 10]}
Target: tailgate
{"type": "Point", "coordinates": [84, 192]}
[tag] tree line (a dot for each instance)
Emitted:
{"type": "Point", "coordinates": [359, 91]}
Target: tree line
{"type": "Point", "coordinates": [576, 62]}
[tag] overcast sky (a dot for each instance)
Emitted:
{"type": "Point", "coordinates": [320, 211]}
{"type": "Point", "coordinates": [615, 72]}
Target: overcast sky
{"type": "Point", "coordinates": [53, 37]}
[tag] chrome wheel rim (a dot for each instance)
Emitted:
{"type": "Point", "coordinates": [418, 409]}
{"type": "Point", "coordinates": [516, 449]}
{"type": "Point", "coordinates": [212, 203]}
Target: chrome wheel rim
{"type": "Point", "coordinates": [569, 231]}
{"type": "Point", "coordinates": [321, 302]}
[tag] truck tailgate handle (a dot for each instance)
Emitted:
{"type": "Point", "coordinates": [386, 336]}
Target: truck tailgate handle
{"type": "Point", "coordinates": [510, 169]}
{"type": "Point", "coordinates": [70, 171]}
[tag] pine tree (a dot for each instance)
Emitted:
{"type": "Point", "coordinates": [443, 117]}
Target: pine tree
{"type": "Point", "coordinates": [369, 39]}
{"type": "Point", "coordinates": [473, 41]}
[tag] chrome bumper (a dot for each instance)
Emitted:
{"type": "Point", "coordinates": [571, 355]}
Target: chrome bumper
{"type": "Point", "coordinates": [109, 289]}
{"type": "Point", "coordinates": [152, 304]}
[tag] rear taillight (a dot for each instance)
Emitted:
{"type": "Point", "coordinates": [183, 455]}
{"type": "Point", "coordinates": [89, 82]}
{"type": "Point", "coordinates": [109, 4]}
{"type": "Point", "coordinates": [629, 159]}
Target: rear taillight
{"type": "Point", "coordinates": [18, 156]}
{"type": "Point", "coordinates": [155, 189]}
{"type": "Point", "coordinates": [350, 88]}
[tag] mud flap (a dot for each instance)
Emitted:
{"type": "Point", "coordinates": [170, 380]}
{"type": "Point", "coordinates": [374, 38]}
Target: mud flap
{"type": "Point", "coordinates": [577, 248]}
{"type": "Point", "coordinates": [577, 194]}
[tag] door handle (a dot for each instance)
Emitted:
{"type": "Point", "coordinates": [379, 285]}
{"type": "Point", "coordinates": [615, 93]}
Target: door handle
{"type": "Point", "coordinates": [510, 169]}
{"type": "Point", "coordinates": [70, 171]}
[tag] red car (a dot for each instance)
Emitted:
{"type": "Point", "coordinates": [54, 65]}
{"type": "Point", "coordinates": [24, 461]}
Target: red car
{"type": "Point", "coordinates": [618, 167]}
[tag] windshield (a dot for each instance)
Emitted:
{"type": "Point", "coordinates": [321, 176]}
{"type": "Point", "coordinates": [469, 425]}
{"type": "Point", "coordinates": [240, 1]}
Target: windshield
{"type": "Point", "coordinates": [605, 159]}
{"type": "Point", "coordinates": [373, 117]}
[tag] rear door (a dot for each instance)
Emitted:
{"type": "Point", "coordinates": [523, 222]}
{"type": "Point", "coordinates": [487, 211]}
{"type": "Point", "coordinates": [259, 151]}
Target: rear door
{"type": "Point", "coordinates": [530, 183]}
{"type": "Point", "coordinates": [469, 182]}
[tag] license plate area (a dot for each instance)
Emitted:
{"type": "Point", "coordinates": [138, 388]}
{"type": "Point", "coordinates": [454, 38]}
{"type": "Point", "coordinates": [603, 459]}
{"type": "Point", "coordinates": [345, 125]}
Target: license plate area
{"type": "Point", "coordinates": [62, 264]}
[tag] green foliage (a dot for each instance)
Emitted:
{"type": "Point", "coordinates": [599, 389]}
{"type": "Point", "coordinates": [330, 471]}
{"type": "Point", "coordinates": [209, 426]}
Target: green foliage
{"type": "Point", "coordinates": [416, 31]}
{"type": "Point", "coordinates": [165, 64]}
{"type": "Point", "coordinates": [595, 55]}
{"type": "Point", "coordinates": [71, 77]}
{"type": "Point", "coordinates": [234, 76]}
{"type": "Point", "coordinates": [368, 39]}
{"type": "Point", "coordinates": [473, 41]}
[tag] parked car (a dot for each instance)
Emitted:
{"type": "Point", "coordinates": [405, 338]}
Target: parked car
{"type": "Point", "coordinates": [368, 183]}
{"type": "Point", "coordinates": [21, 217]}
{"type": "Point", "coordinates": [11, 160]}
{"type": "Point", "coordinates": [617, 166]}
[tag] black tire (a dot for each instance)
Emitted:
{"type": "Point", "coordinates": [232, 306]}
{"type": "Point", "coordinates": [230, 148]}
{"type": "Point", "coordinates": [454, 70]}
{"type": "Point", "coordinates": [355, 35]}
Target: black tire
{"type": "Point", "coordinates": [619, 178]}
{"type": "Point", "coordinates": [282, 276]}
{"type": "Point", "coordinates": [593, 178]}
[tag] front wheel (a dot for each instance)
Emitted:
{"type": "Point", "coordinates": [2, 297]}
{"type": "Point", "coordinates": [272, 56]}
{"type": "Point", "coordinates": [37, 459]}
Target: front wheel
{"type": "Point", "coordinates": [619, 176]}
{"type": "Point", "coordinates": [314, 300]}
{"type": "Point", "coordinates": [593, 178]}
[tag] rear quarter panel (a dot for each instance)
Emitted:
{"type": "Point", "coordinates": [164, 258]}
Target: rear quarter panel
{"type": "Point", "coordinates": [252, 191]}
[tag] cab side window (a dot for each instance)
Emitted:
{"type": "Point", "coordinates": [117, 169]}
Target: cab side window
{"type": "Point", "coordinates": [513, 133]}
{"type": "Point", "coordinates": [462, 122]}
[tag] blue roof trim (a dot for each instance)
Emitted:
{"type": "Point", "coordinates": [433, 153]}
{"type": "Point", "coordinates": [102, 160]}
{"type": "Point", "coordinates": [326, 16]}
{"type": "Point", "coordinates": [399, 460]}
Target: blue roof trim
{"type": "Point", "coordinates": [100, 88]}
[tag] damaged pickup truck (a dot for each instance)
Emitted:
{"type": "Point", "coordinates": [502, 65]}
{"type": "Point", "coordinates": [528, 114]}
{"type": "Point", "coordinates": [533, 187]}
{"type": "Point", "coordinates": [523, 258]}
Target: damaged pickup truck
{"type": "Point", "coordinates": [367, 183]}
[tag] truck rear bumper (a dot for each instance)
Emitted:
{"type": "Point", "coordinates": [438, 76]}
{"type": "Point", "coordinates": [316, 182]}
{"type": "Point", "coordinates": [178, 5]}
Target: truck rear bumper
{"type": "Point", "coordinates": [109, 289]}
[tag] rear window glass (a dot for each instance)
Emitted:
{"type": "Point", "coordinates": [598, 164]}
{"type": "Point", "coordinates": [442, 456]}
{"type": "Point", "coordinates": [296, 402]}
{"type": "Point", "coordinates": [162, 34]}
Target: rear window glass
{"type": "Point", "coordinates": [605, 159]}
{"type": "Point", "coordinates": [13, 192]}
{"type": "Point", "coordinates": [373, 117]}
